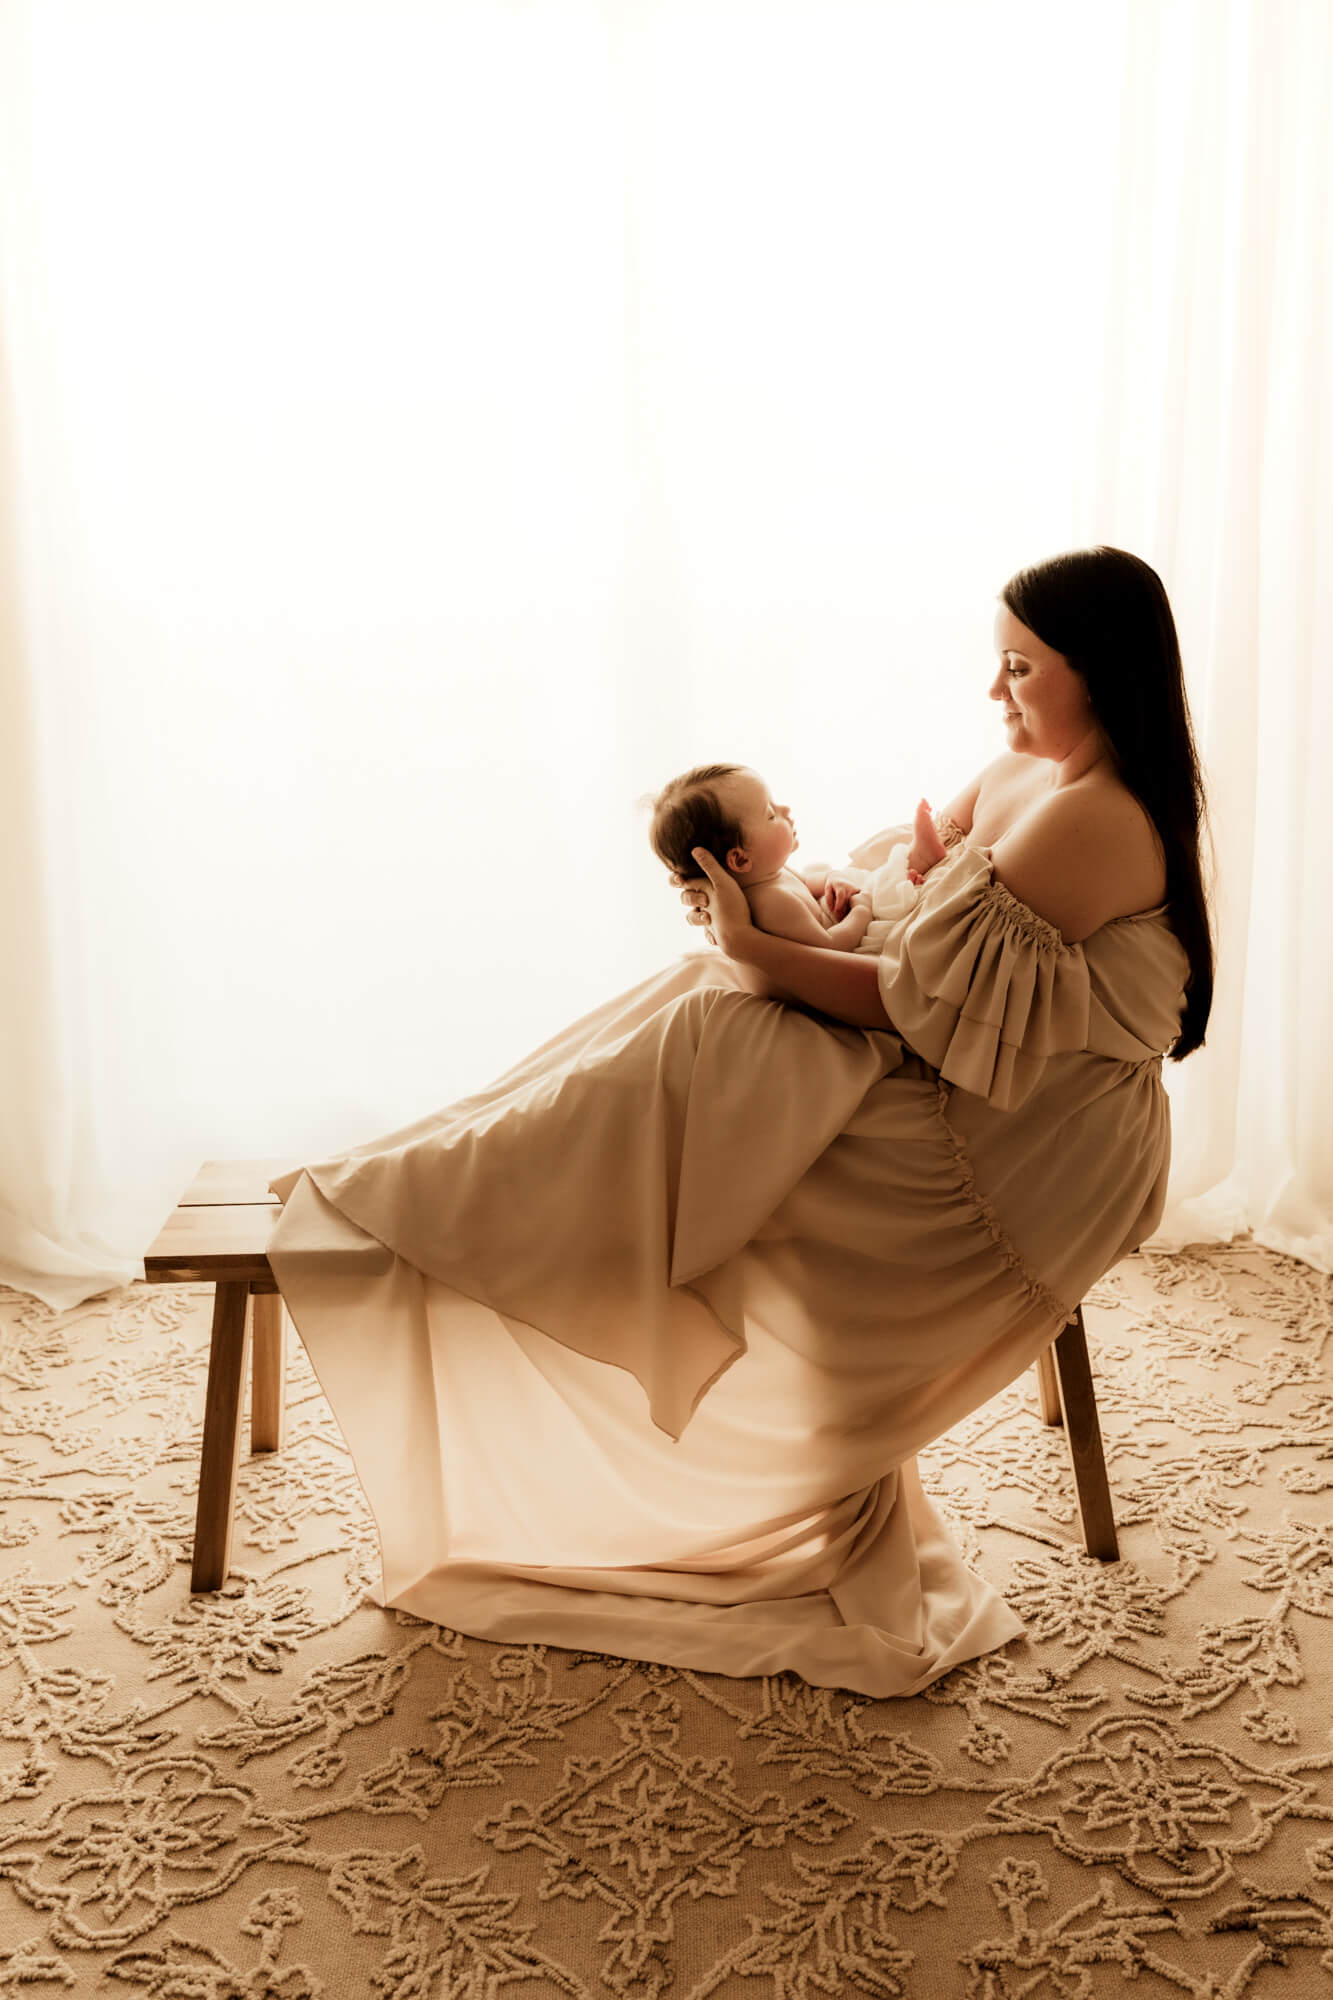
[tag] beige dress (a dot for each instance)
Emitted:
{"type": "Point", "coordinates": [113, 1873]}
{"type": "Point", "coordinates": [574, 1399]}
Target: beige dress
{"type": "Point", "coordinates": [633, 1349]}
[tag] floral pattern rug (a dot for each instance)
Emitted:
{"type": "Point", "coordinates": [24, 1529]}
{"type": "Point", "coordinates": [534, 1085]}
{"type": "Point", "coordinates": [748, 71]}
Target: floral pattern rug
{"type": "Point", "coordinates": [283, 1791]}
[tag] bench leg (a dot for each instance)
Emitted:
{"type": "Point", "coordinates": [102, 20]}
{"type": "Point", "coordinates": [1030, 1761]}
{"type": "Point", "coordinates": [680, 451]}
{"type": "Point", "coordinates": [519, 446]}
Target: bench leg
{"type": "Point", "coordinates": [1083, 1431]}
{"type": "Point", "coordinates": [268, 1388]}
{"type": "Point", "coordinates": [1048, 1387]}
{"type": "Point", "coordinates": [222, 1432]}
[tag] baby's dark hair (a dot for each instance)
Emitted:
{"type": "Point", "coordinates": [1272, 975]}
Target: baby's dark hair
{"type": "Point", "coordinates": [687, 813]}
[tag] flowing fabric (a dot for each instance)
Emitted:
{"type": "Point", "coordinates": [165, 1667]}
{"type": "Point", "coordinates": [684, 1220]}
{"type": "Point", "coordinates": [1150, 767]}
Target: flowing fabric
{"type": "Point", "coordinates": [633, 1349]}
{"type": "Point", "coordinates": [891, 896]}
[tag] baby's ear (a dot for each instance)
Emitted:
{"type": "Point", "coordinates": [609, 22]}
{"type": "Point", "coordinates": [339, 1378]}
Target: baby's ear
{"type": "Point", "coordinates": [738, 861]}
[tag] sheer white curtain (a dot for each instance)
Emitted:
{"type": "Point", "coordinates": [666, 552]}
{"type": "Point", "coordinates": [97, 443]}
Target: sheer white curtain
{"type": "Point", "coordinates": [428, 426]}
{"type": "Point", "coordinates": [1211, 454]}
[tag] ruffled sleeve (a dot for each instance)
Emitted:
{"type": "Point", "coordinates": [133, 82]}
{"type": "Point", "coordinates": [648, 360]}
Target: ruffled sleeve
{"type": "Point", "coordinates": [981, 986]}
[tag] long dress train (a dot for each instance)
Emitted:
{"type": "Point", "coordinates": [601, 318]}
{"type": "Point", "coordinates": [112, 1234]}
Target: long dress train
{"type": "Point", "coordinates": [633, 1349]}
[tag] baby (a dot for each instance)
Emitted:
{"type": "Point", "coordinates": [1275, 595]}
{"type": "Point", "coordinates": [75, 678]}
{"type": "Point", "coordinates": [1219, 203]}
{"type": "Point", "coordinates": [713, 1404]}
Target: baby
{"type": "Point", "coordinates": [727, 809]}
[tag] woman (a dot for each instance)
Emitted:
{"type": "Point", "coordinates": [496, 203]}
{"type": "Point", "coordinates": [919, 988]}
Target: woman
{"type": "Point", "coordinates": [806, 1242]}
{"type": "Point", "coordinates": [1103, 826]}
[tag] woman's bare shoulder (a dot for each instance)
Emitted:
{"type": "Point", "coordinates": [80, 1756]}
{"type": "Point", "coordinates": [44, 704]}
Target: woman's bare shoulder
{"type": "Point", "coordinates": [1081, 857]}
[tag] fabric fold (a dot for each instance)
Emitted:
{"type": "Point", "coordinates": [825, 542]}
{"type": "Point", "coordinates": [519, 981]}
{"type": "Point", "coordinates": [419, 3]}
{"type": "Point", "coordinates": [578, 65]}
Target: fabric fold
{"type": "Point", "coordinates": [980, 986]}
{"type": "Point", "coordinates": [702, 1158]}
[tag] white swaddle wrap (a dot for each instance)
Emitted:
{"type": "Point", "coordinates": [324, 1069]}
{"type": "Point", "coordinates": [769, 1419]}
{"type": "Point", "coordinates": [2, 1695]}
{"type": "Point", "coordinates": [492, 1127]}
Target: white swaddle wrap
{"type": "Point", "coordinates": [890, 896]}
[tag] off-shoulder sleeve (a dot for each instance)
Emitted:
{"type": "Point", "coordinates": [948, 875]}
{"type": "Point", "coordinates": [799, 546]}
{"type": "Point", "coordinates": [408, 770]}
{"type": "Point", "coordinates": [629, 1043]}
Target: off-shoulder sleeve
{"type": "Point", "coordinates": [980, 985]}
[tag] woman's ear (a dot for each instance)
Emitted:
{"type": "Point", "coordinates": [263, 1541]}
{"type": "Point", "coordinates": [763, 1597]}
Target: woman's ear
{"type": "Point", "coordinates": [738, 861]}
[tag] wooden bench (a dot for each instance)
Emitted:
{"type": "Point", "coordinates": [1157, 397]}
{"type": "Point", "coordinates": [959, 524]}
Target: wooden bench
{"type": "Point", "coordinates": [219, 1233]}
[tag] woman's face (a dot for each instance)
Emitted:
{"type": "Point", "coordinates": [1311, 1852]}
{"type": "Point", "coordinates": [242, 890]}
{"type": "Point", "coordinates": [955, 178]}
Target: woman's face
{"type": "Point", "coordinates": [1046, 708]}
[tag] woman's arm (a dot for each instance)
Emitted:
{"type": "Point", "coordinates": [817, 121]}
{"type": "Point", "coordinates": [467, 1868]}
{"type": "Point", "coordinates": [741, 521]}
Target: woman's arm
{"type": "Point", "coordinates": [961, 809]}
{"type": "Point", "coordinates": [836, 982]}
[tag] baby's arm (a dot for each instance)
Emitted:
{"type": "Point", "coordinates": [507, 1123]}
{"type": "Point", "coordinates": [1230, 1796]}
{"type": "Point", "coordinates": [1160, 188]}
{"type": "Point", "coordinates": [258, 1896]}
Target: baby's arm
{"type": "Point", "coordinates": [834, 887]}
{"type": "Point", "coordinates": [848, 932]}
{"type": "Point", "coordinates": [783, 912]}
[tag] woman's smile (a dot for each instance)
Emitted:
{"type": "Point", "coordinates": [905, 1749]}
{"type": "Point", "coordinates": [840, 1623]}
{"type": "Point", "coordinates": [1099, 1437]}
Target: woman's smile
{"type": "Point", "coordinates": [1053, 712]}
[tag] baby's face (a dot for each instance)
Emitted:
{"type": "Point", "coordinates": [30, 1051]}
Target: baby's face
{"type": "Point", "coordinates": [767, 833]}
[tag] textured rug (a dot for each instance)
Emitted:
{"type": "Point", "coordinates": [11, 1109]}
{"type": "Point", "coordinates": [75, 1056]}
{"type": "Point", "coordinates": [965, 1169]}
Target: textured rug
{"type": "Point", "coordinates": [284, 1791]}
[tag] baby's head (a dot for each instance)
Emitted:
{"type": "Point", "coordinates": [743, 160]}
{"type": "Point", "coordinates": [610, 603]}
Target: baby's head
{"type": "Point", "coordinates": [725, 809]}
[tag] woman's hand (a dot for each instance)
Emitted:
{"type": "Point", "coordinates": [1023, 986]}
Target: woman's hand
{"type": "Point", "coordinates": [716, 902]}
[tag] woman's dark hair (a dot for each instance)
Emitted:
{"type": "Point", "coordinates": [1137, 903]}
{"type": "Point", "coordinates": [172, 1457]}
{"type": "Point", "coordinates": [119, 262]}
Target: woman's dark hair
{"type": "Point", "coordinates": [687, 813]}
{"type": "Point", "coordinates": [1108, 614]}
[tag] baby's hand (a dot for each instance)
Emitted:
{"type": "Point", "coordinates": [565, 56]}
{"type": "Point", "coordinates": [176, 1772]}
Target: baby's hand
{"type": "Point", "coordinates": [848, 932]}
{"type": "Point", "coordinates": [927, 848]}
{"type": "Point", "coordinates": [838, 898]}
